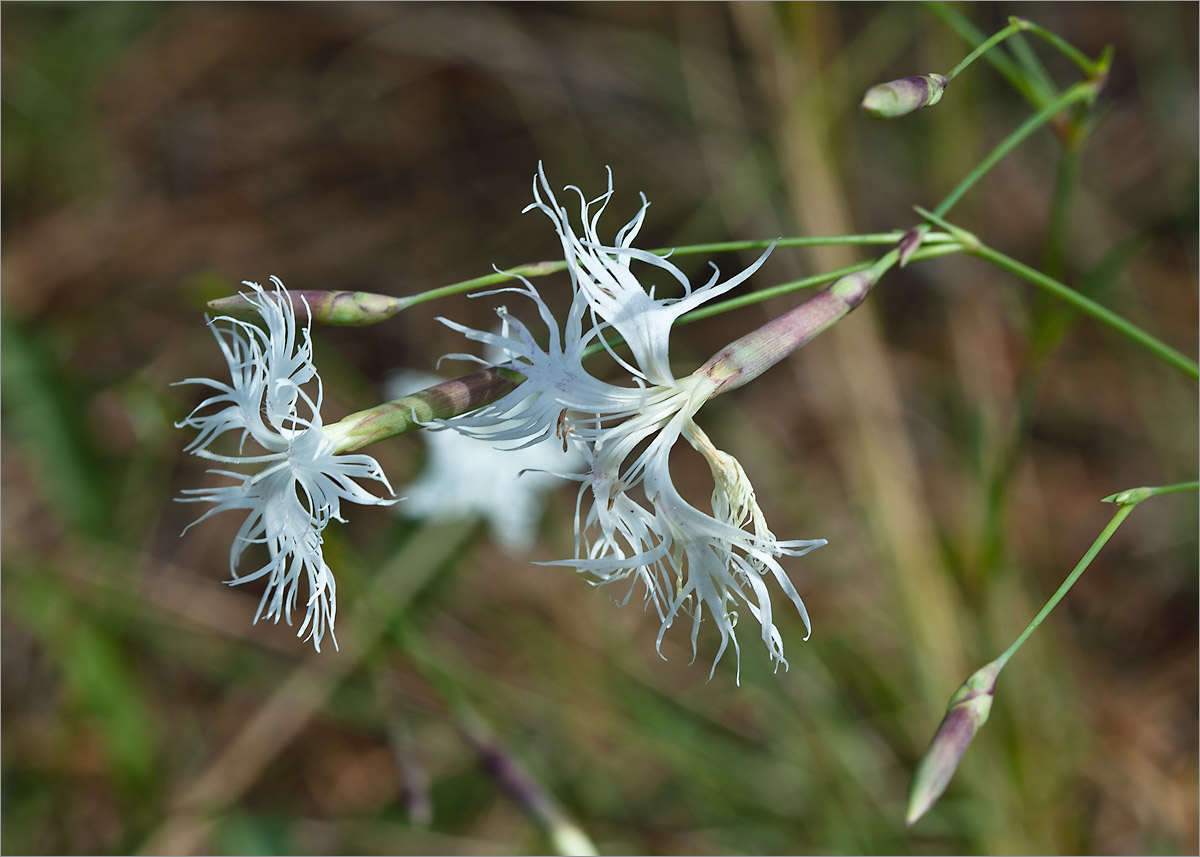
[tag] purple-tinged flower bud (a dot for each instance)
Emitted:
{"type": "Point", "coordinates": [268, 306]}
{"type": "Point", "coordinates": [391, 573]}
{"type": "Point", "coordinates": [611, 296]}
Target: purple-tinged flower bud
{"type": "Point", "coordinates": [903, 96]}
{"type": "Point", "coordinates": [355, 309]}
{"type": "Point", "coordinates": [745, 359]}
{"type": "Point", "coordinates": [968, 710]}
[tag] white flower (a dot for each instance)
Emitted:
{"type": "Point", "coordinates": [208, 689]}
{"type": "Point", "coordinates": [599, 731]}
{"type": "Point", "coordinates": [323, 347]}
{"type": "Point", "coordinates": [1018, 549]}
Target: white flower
{"type": "Point", "coordinates": [632, 524]}
{"type": "Point", "coordinates": [298, 483]}
{"type": "Point", "coordinates": [471, 477]}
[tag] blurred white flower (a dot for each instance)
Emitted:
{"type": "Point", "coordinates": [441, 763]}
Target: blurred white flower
{"type": "Point", "coordinates": [298, 483]}
{"type": "Point", "coordinates": [631, 521]}
{"type": "Point", "coordinates": [474, 477]}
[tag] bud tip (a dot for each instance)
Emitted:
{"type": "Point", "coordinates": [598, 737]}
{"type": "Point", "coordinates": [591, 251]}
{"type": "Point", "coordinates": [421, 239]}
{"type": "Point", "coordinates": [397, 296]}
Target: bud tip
{"type": "Point", "coordinates": [903, 96]}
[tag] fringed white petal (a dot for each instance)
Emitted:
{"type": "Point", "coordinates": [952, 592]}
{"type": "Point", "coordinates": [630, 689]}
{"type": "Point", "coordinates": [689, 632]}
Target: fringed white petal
{"type": "Point", "coordinates": [298, 484]}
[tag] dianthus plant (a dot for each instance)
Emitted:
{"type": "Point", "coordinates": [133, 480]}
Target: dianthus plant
{"type": "Point", "coordinates": [632, 524]}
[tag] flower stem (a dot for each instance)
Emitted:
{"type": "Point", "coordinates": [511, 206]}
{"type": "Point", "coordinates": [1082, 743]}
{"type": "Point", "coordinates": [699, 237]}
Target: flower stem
{"type": "Point", "coordinates": [941, 249]}
{"type": "Point", "coordinates": [1088, 306]}
{"type": "Point", "coordinates": [1080, 92]}
{"type": "Point", "coordinates": [542, 269]}
{"type": "Point", "coordinates": [1128, 500]}
{"type": "Point", "coordinates": [1015, 25]}
{"type": "Point", "coordinates": [1087, 66]}
{"type": "Point", "coordinates": [1062, 590]}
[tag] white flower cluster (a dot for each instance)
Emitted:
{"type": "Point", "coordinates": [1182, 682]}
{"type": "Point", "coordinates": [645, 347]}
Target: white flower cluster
{"type": "Point", "coordinates": [298, 483]}
{"type": "Point", "coordinates": [632, 524]}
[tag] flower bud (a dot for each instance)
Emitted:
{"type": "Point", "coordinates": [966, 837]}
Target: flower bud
{"type": "Point", "coordinates": [968, 710]}
{"type": "Point", "coordinates": [356, 309]}
{"type": "Point", "coordinates": [903, 96]}
{"type": "Point", "coordinates": [745, 359]}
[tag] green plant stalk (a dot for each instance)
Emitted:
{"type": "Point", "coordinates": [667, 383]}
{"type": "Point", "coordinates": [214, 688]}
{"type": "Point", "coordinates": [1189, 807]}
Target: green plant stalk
{"type": "Point", "coordinates": [1081, 302]}
{"type": "Point", "coordinates": [1014, 26]}
{"type": "Point", "coordinates": [784, 289]}
{"type": "Point", "coordinates": [542, 269]}
{"type": "Point", "coordinates": [943, 249]}
{"type": "Point", "coordinates": [1033, 92]}
{"type": "Point", "coordinates": [972, 35]}
{"type": "Point", "coordinates": [1080, 92]}
{"type": "Point", "coordinates": [1071, 52]}
{"type": "Point", "coordinates": [1067, 584]}
{"type": "Point", "coordinates": [1128, 500]}
{"type": "Point", "coordinates": [1030, 65]}
{"type": "Point", "coordinates": [1088, 306]}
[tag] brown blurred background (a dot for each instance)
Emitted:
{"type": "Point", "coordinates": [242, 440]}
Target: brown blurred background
{"type": "Point", "coordinates": [951, 439]}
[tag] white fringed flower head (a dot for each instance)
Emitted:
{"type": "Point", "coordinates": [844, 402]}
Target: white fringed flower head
{"type": "Point", "coordinates": [297, 484]}
{"type": "Point", "coordinates": [632, 524]}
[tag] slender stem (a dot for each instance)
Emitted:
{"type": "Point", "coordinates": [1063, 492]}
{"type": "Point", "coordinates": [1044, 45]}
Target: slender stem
{"type": "Point", "coordinates": [1014, 26]}
{"type": "Point", "coordinates": [1077, 93]}
{"type": "Point", "coordinates": [1088, 306]}
{"type": "Point", "coordinates": [1128, 500]}
{"type": "Point", "coordinates": [1066, 48]}
{"type": "Point", "coordinates": [1062, 590]}
{"type": "Point", "coordinates": [972, 35]}
{"type": "Point", "coordinates": [787, 288]}
{"type": "Point", "coordinates": [807, 282]}
{"type": "Point", "coordinates": [542, 269]}
{"type": "Point", "coordinates": [534, 269]}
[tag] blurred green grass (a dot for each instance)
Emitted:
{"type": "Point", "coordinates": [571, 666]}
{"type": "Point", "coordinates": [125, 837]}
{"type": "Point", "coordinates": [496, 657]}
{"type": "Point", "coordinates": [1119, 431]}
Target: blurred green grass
{"type": "Point", "coordinates": [951, 439]}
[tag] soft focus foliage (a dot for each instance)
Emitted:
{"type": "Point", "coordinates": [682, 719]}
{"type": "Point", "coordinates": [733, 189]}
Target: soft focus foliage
{"type": "Point", "coordinates": [952, 438]}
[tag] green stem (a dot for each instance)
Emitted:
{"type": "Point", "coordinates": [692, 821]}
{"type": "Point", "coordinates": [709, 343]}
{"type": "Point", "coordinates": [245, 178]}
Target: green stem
{"type": "Point", "coordinates": [1128, 500]}
{"type": "Point", "coordinates": [1062, 590]}
{"type": "Point", "coordinates": [1007, 69]}
{"type": "Point", "coordinates": [1087, 66]}
{"type": "Point", "coordinates": [760, 295]}
{"type": "Point", "coordinates": [1014, 26]}
{"type": "Point", "coordinates": [1088, 306]}
{"type": "Point", "coordinates": [972, 35]}
{"type": "Point", "coordinates": [542, 269]}
{"type": "Point", "coordinates": [1031, 66]}
{"type": "Point", "coordinates": [1077, 93]}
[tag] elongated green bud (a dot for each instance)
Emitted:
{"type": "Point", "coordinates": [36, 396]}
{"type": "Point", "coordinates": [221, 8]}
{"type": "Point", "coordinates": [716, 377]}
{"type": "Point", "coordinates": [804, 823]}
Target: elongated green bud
{"type": "Point", "coordinates": [968, 710]}
{"type": "Point", "coordinates": [745, 359]}
{"type": "Point", "coordinates": [903, 96]}
{"type": "Point", "coordinates": [355, 309]}
{"type": "Point", "coordinates": [441, 401]}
